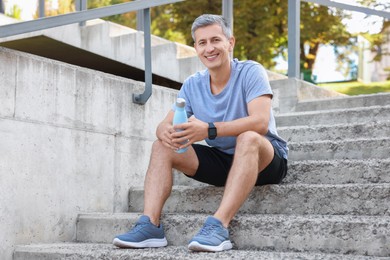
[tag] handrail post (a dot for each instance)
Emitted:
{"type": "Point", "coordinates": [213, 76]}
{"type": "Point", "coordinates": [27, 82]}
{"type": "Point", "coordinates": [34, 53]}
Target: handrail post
{"type": "Point", "coordinates": [293, 38]}
{"type": "Point", "coordinates": [140, 20]}
{"type": "Point", "coordinates": [81, 5]}
{"type": "Point", "coordinates": [142, 98]}
{"type": "Point", "coordinates": [41, 8]}
{"type": "Point", "coordinates": [227, 13]}
{"type": "Point", "coordinates": [2, 8]}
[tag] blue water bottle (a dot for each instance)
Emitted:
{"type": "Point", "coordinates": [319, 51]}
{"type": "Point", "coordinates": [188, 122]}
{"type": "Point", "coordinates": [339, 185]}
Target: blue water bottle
{"type": "Point", "coordinates": [180, 117]}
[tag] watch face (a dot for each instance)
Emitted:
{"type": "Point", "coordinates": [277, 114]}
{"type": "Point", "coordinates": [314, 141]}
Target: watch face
{"type": "Point", "coordinates": [212, 133]}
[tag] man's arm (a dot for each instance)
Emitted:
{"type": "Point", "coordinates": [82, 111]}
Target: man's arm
{"type": "Point", "coordinates": [258, 119]}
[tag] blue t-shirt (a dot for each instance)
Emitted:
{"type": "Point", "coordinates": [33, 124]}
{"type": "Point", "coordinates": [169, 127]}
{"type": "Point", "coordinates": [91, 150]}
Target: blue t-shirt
{"type": "Point", "coordinates": [248, 80]}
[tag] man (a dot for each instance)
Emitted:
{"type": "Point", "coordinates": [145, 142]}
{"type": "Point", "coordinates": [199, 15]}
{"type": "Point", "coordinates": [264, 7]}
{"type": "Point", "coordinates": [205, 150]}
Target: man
{"type": "Point", "coordinates": [229, 105]}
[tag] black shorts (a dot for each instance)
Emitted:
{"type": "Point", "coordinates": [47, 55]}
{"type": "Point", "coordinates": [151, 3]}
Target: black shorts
{"type": "Point", "coordinates": [214, 167]}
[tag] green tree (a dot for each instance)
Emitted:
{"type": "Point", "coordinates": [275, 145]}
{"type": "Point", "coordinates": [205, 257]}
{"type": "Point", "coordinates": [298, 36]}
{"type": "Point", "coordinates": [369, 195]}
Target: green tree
{"type": "Point", "coordinates": [64, 6]}
{"type": "Point", "coordinates": [376, 4]}
{"type": "Point", "coordinates": [260, 28]}
{"type": "Point", "coordinates": [322, 25]}
{"type": "Point", "coordinates": [15, 12]}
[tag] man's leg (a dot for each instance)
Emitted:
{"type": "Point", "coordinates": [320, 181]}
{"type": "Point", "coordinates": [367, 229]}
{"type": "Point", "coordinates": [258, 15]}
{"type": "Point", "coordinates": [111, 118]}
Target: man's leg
{"type": "Point", "coordinates": [159, 178]}
{"type": "Point", "coordinates": [158, 185]}
{"type": "Point", "coordinates": [253, 154]}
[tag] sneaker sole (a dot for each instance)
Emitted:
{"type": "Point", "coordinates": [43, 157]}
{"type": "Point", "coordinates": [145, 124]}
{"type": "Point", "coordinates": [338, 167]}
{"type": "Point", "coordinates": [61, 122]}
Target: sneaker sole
{"type": "Point", "coordinates": [155, 242]}
{"type": "Point", "coordinates": [196, 246]}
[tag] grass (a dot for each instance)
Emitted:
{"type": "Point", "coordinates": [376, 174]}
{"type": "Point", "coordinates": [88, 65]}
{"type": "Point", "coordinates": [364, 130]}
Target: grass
{"type": "Point", "coordinates": [358, 88]}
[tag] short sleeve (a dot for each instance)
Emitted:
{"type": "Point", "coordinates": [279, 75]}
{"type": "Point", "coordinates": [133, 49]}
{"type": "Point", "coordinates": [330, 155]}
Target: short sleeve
{"type": "Point", "coordinates": [257, 83]}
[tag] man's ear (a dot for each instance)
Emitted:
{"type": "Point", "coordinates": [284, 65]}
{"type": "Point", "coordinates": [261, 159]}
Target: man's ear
{"type": "Point", "coordinates": [232, 41]}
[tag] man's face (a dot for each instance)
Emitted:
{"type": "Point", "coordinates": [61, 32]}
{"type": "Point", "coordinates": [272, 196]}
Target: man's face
{"type": "Point", "coordinates": [212, 46]}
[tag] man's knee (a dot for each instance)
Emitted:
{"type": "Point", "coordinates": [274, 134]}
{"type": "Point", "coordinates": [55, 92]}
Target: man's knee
{"type": "Point", "coordinates": [159, 148]}
{"type": "Point", "coordinates": [157, 145]}
{"type": "Point", "coordinates": [249, 138]}
{"type": "Point", "coordinates": [253, 142]}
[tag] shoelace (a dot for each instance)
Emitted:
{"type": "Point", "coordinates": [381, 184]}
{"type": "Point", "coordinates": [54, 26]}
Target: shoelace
{"type": "Point", "coordinates": [207, 230]}
{"type": "Point", "coordinates": [138, 226]}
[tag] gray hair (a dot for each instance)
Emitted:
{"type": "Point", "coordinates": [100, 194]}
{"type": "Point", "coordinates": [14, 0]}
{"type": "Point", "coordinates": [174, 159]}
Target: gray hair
{"type": "Point", "coordinates": [210, 19]}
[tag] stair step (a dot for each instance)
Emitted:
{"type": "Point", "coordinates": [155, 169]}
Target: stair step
{"type": "Point", "coordinates": [323, 172]}
{"type": "Point", "coordinates": [311, 199]}
{"type": "Point", "coordinates": [338, 171]}
{"type": "Point", "coordinates": [359, 235]}
{"type": "Point", "coordinates": [336, 116]}
{"type": "Point", "coordinates": [108, 251]}
{"type": "Point", "coordinates": [380, 99]}
{"type": "Point", "coordinates": [346, 149]}
{"type": "Point", "coordinates": [334, 132]}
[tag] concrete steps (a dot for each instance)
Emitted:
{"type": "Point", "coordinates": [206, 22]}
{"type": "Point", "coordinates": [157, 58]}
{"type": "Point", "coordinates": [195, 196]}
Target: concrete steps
{"type": "Point", "coordinates": [345, 149]}
{"type": "Point", "coordinates": [380, 99]}
{"type": "Point", "coordinates": [335, 132]}
{"type": "Point", "coordinates": [108, 252]}
{"type": "Point", "coordinates": [364, 171]}
{"type": "Point", "coordinates": [114, 42]}
{"type": "Point", "coordinates": [118, 43]}
{"type": "Point", "coordinates": [356, 235]}
{"type": "Point", "coordinates": [335, 116]}
{"type": "Point", "coordinates": [289, 199]}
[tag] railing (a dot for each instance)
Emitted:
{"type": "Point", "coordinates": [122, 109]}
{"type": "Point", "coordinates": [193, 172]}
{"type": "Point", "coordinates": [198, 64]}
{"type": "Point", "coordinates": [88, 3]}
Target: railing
{"type": "Point", "coordinates": [143, 9]}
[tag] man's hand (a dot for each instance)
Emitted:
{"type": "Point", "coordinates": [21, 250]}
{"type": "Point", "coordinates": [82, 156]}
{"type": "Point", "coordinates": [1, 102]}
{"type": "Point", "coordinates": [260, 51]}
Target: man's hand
{"type": "Point", "coordinates": [164, 133]}
{"type": "Point", "coordinates": [188, 133]}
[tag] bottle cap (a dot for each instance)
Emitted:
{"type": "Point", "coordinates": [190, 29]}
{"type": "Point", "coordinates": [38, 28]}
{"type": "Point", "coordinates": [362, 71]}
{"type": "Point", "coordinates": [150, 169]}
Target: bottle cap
{"type": "Point", "coordinates": [180, 102]}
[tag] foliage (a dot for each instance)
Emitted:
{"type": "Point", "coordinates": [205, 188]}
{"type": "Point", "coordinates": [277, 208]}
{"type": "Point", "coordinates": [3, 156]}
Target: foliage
{"type": "Point", "coordinates": [260, 30]}
{"type": "Point", "coordinates": [64, 6]}
{"type": "Point", "coordinates": [377, 4]}
{"type": "Point", "coordinates": [67, 6]}
{"type": "Point", "coordinates": [16, 12]}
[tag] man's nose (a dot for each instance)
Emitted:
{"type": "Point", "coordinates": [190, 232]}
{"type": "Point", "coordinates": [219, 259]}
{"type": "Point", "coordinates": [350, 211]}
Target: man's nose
{"type": "Point", "coordinates": [209, 47]}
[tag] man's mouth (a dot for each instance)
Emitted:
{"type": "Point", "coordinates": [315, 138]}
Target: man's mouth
{"type": "Point", "coordinates": [211, 57]}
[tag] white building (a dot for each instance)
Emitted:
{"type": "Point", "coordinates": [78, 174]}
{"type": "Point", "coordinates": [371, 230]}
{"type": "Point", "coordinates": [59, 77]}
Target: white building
{"type": "Point", "coordinates": [374, 71]}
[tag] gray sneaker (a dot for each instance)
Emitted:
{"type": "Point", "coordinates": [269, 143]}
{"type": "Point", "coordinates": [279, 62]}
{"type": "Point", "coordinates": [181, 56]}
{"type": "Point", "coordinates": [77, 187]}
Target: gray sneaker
{"type": "Point", "coordinates": [143, 234]}
{"type": "Point", "coordinates": [213, 237]}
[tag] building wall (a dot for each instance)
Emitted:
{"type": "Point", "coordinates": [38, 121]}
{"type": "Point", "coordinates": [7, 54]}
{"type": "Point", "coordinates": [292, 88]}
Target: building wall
{"type": "Point", "coordinates": [71, 141]}
{"type": "Point", "coordinates": [374, 71]}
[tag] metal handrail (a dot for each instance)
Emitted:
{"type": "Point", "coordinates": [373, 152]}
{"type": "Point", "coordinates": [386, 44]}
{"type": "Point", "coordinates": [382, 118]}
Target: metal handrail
{"type": "Point", "coordinates": [84, 15]}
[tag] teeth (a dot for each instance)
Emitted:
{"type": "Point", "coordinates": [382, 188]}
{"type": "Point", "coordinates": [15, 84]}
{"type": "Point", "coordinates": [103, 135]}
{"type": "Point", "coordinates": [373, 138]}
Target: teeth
{"type": "Point", "coordinates": [211, 57]}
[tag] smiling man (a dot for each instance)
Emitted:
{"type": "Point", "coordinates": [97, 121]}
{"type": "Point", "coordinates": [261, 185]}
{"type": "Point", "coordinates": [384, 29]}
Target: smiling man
{"type": "Point", "coordinates": [229, 106]}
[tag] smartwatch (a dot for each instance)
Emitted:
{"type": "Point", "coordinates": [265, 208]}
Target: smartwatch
{"type": "Point", "coordinates": [212, 131]}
